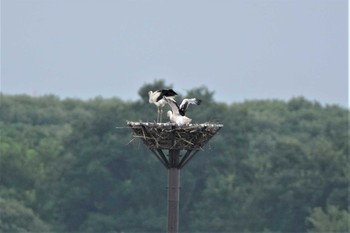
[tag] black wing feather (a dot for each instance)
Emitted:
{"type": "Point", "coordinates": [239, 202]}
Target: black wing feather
{"type": "Point", "coordinates": [167, 93]}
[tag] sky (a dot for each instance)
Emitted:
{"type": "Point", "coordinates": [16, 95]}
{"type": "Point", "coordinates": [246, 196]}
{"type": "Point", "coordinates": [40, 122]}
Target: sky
{"type": "Point", "coordinates": [239, 49]}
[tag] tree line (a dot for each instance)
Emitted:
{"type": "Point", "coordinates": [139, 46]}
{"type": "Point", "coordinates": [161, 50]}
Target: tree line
{"type": "Point", "coordinates": [70, 165]}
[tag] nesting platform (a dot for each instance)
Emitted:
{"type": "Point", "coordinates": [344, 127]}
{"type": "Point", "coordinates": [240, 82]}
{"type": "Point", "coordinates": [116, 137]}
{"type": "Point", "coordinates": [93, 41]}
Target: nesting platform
{"type": "Point", "coordinates": [162, 137]}
{"type": "Point", "coordinates": [167, 141]}
{"type": "Point", "coordinates": [170, 136]}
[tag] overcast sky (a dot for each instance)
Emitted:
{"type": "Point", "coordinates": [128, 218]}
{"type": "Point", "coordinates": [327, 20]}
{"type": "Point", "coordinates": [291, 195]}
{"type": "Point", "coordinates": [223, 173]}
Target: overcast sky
{"type": "Point", "coordinates": [240, 49]}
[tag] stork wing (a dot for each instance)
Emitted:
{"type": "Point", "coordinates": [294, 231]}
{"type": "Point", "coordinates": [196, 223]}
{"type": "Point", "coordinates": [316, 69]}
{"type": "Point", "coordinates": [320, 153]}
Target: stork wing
{"type": "Point", "coordinates": [186, 102]}
{"type": "Point", "coordinates": [174, 106]}
{"type": "Point", "coordinates": [166, 93]}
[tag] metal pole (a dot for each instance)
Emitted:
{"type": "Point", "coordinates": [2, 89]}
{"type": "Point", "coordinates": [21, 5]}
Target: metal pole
{"type": "Point", "coordinates": [173, 192]}
{"type": "Point", "coordinates": [173, 199]}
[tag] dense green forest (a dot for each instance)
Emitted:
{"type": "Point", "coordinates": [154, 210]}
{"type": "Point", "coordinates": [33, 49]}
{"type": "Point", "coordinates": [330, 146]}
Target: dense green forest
{"type": "Point", "coordinates": [70, 165]}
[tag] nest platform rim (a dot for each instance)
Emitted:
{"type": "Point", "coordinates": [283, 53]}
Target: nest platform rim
{"type": "Point", "coordinates": [172, 136]}
{"type": "Point", "coordinates": [144, 123]}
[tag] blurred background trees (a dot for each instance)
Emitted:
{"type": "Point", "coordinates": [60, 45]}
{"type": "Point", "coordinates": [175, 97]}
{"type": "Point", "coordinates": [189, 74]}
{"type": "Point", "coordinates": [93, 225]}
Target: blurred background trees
{"type": "Point", "coordinates": [276, 166]}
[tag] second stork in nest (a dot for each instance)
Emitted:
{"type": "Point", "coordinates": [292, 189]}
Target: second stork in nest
{"type": "Point", "coordinates": [177, 115]}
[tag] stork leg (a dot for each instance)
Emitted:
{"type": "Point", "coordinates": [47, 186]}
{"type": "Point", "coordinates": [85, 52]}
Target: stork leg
{"type": "Point", "coordinates": [158, 112]}
{"type": "Point", "coordinates": [161, 115]}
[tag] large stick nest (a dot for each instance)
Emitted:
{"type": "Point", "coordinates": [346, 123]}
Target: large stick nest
{"type": "Point", "coordinates": [171, 136]}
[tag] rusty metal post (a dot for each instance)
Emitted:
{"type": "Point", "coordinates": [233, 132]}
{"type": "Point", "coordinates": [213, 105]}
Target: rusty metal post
{"type": "Point", "coordinates": [173, 200]}
{"type": "Point", "coordinates": [173, 192]}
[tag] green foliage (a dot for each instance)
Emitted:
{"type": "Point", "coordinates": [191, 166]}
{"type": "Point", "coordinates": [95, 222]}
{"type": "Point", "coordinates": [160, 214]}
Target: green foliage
{"type": "Point", "coordinates": [14, 217]}
{"type": "Point", "coordinates": [274, 167]}
{"type": "Point", "coordinates": [331, 220]}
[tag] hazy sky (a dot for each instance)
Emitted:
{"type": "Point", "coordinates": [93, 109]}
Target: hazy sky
{"type": "Point", "coordinates": [240, 49]}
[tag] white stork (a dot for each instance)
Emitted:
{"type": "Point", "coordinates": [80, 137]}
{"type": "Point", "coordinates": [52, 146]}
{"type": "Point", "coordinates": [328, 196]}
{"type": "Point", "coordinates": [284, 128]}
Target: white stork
{"type": "Point", "coordinates": [157, 98]}
{"type": "Point", "coordinates": [177, 115]}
